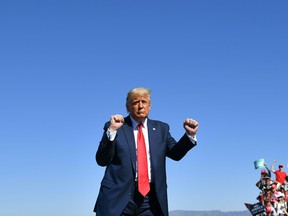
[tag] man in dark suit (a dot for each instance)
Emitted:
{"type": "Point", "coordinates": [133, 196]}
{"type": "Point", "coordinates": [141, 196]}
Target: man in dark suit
{"type": "Point", "coordinates": [119, 149]}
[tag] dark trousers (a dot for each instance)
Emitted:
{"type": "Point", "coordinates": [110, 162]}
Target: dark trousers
{"type": "Point", "coordinates": [143, 206]}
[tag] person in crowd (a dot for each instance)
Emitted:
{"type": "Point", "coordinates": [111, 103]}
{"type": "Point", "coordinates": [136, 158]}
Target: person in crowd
{"type": "Point", "coordinates": [269, 209]}
{"type": "Point", "coordinates": [261, 183]}
{"type": "Point", "coordinates": [285, 185]}
{"type": "Point", "coordinates": [134, 181]}
{"type": "Point", "coordinates": [281, 207]}
{"type": "Point", "coordinates": [266, 183]}
{"type": "Point", "coordinates": [280, 173]}
{"type": "Point", "coordinates": [274, 203]}
{"type": "Point", "coordinates": [275, 192]}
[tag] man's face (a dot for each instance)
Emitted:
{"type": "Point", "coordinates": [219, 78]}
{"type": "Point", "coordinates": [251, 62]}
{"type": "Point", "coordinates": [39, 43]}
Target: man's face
{"type": "Point", "coordinates": [139, 107]}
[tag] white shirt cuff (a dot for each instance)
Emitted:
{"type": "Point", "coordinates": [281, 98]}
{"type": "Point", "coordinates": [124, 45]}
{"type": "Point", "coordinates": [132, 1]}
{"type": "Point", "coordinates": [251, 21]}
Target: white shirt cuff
{"type": "Point", "coordinates": [192, 138]}
{"type": "Point", "coordinates": [111, 135]}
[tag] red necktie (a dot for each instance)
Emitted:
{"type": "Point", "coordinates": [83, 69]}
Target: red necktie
{"type": "Point", "coordinates": [143, 179]}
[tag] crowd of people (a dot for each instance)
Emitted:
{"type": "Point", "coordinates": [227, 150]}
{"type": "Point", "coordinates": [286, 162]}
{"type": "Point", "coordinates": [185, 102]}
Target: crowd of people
{"type": "Point", "coordinates": [273, 191]}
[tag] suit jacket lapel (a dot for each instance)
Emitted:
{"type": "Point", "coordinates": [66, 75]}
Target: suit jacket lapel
{"type": "Point", "coordinates": [129, 134]}
{"type": "Point", "coordinates": [152, 134]}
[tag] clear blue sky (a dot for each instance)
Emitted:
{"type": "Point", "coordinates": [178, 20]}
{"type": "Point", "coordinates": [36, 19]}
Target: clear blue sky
{"type": "Point", "coordinates": [66, 66]}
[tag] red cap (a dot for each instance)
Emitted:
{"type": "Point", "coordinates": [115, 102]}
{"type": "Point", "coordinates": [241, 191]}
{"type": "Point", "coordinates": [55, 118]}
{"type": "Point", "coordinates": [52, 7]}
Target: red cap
{"type": "Point", "coordinates": [280, 165]}
{"type": "Point", "coordinates": [263, 171]}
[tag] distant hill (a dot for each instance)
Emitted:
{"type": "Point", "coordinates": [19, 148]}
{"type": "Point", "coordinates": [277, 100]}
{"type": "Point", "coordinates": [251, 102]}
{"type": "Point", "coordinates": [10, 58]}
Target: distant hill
{"type": "Point", "coordinates": [209, 213]}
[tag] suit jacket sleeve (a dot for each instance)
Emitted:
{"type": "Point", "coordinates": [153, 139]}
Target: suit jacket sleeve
{"type": "Point", "coordinates": [106, 149]}
{"type": "Point", "coordinates": [177, 150]}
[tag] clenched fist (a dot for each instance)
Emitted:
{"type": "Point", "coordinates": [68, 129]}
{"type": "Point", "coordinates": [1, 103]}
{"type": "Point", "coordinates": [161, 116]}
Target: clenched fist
{"type": "Point", "coordinates": [116, 121]}
{"type": "Point", "coordinates": [191, 126]}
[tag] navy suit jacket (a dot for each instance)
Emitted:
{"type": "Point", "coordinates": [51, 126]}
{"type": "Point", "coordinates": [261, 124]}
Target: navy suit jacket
{"type": "Point", "coordinates": [119, 157]}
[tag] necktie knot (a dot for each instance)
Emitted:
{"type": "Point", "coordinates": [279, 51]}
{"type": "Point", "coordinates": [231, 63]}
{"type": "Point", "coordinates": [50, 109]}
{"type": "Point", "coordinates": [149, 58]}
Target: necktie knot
{"type": "Point", "coordinates": [140, 125]}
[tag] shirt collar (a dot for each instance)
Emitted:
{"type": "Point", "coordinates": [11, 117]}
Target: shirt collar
{"type": "Point", "coordinates": [135, 123]}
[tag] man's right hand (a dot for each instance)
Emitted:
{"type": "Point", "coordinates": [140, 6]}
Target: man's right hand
{"type": "Point", "coordinates": [116, 121]}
